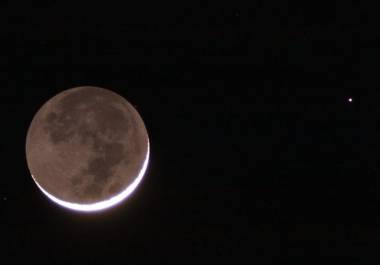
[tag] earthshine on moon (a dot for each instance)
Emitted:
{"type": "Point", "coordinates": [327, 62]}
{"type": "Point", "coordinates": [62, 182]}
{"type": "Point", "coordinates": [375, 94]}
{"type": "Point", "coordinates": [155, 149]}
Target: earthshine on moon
{"type": "Point", "coordinates": [87, 148]}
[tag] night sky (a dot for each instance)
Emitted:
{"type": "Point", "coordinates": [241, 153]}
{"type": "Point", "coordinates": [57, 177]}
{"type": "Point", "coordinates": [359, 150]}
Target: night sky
{"type": "Point", "coordinates": [257, 154]}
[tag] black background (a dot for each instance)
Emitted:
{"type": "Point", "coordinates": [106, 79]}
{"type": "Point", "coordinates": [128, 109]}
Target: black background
{"type": "Point", "coordinates": [256, 153]}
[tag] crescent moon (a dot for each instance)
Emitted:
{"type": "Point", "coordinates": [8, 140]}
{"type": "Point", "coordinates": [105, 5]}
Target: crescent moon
{"type": "Point", "coordinates": [87, 149]}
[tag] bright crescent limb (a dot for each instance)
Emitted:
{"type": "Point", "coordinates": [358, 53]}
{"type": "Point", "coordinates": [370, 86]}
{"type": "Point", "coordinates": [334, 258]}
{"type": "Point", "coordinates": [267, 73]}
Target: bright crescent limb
{"type": "Point", "coordinates": [106, 203]}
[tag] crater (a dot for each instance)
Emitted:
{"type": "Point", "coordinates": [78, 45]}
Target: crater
{"type": "Point", "coordinates": [115, 188]}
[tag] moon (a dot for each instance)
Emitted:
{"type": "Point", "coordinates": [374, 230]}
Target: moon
{"type": "Point", "coordinates": [87, 148]}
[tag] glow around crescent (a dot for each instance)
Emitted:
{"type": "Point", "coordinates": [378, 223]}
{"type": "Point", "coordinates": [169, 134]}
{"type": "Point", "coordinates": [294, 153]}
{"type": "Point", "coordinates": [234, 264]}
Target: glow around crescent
{"type": "Point", "coordinates": [102, 204]}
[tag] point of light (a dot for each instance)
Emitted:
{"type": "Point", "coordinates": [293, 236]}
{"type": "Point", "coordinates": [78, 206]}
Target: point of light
{"type": "Point", "coordinates": [103, 204]}
{"type": "Point", "coordinates": [350, 100]}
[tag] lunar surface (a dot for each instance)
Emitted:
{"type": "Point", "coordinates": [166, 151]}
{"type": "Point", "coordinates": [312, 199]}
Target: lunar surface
{"type": "Point", "coordinates": [87, 148]}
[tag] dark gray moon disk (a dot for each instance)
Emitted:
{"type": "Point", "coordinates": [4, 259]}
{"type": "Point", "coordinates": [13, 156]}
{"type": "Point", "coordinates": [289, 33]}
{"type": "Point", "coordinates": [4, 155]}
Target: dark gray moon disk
{"type": "Point", "coordinates": [87, 148]}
